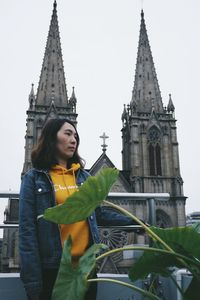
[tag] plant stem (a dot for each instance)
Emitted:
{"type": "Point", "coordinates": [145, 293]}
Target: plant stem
{"type": "Point", "coordinates": [153, 280]}
{"type": "Point", "coordinates": [143, 292]}
{"type": "Point", "coordinates": [151, 249]}
{"type": "Point", "coordinates": [147, 229]}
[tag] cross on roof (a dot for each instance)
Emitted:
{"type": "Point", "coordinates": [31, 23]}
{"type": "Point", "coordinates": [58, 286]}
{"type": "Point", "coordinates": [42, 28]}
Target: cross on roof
{"type": "Point", "coordinates": [104, 137]}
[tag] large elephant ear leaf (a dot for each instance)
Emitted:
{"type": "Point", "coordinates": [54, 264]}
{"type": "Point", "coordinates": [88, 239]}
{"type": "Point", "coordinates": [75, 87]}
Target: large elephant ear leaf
{"type": "Point", "coordinates": [183, 240]}
{"type": "Point", "coordinates": [151, 262]}
{"type": "Point", "coordinates": [71, 282]}
{"type": "Point", "coordinates": [82, 203]}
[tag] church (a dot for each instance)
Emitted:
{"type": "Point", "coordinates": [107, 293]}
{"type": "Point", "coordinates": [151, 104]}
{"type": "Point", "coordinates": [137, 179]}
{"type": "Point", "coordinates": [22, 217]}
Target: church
{"type": "Point", "coordinates": [150, 154]}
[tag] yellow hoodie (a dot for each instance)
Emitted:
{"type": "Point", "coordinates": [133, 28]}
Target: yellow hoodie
{"type": "Point", "coordinates": [64, 182]}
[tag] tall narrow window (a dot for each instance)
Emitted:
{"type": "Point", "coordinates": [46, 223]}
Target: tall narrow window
{"type": "Point", "coordinates": [158, 160]}
{"type": "Point", "coordinates": [152, 160]}
{"type": "Point", "coordinates": [155, 167]}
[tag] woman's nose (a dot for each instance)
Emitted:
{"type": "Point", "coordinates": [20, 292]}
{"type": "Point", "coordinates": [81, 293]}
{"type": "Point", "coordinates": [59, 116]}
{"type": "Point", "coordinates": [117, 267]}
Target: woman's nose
{"type": "Point", "coordinates": [73, 140]}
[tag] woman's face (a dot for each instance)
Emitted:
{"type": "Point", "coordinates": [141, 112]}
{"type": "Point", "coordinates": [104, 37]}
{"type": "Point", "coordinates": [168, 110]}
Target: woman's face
{"type": "Point", "coordinates": [66, 142]}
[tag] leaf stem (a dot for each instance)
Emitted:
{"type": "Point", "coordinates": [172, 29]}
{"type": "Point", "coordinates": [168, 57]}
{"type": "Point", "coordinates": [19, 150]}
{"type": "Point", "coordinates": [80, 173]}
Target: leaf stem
{"type": "Point", "coordinates": [147, 229]}
{"type": "Point", "coordinates": [143, 292]}
{"type": "Point", "coordinates": [151, 249]}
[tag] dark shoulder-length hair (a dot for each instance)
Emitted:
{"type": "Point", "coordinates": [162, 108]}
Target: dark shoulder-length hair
{"type": "Point", "coordinates": [43, 155]}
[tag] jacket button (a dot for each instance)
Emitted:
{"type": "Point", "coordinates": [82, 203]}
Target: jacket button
{"type": "Point", "coordinates": [39, 190]}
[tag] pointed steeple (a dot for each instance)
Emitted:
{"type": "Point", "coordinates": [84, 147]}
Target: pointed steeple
{"type": "Point", "coordinates": [52, 84]}
{"type": "Point", "coordinates": [124, 114]}
{"type": "Point", "coordinates": [31, 97]}
{"type": "Point", "coordinates": [170, 106]}
{"type": "Point", "coordinates": [73, 100]}
{"type": "Point", "coordinates": [146, 91]}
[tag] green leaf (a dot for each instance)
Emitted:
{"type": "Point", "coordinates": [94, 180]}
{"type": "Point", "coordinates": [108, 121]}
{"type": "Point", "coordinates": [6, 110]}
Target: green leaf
{"type": "Point", "coordinates": [155, 262]}
{"type": "Point", "coordinates": [196, 227]}
{"type": "Point", "coordinates": [183, 240]}
{"type": "Point", "coordinates": [71, 282]}
{"type": "Point", "coordinates": [82, 203]}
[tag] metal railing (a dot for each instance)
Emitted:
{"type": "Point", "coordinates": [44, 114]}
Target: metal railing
{"type": "Point", "coordinates": [149, 197]}
{"type": "Point", "coordinates": [5, 194]}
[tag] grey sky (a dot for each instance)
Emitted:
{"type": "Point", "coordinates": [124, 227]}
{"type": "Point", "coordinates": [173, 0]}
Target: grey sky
{"type": "Point", "coordinates": [99, 43]}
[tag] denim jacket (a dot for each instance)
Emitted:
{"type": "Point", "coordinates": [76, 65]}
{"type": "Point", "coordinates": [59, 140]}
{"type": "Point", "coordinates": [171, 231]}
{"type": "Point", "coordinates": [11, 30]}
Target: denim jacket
{"type": "Point", "coordinates": [39, 240]}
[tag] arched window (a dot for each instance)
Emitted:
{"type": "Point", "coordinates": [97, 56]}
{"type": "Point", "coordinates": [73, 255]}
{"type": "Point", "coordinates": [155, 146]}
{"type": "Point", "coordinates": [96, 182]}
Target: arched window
{"type": "Point", "coordinates": [155, 168]}
{"type": "Point", "coordinates": [163, 220]}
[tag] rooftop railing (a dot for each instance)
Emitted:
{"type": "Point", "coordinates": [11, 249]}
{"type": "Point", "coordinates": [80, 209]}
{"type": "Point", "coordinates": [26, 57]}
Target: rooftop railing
{"type": "Point", "coordinates": [149, 197]}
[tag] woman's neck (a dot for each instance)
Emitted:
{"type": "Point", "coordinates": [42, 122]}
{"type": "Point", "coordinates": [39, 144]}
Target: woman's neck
{"type": "Point", "coordinates": [62, 163]}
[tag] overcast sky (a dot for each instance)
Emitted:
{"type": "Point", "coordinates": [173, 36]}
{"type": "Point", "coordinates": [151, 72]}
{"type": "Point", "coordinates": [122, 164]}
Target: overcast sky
{"type": "Point", "coordinates": [99, 41]}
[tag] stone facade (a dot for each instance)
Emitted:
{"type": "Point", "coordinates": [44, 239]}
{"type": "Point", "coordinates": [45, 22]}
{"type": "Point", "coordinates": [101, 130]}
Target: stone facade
{"type": "Point", "coordinates": [114, 236]}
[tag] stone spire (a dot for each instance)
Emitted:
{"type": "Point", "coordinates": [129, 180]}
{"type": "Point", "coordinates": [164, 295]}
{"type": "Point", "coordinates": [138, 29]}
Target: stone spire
{"type": "Point", "coordinates": [31, 97]}
{"type": "Point", "coordinates": [73, 100]}
{"type": "Point", "coordinates": [146, 91]}
{"type": "Point", "coordinates": [52, 86]}
{"type": "Point", "coordinates": [51, 100]}
{"type": "Point", "coordinates": [170, 106]}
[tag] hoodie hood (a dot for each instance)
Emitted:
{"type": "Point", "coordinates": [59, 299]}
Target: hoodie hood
{"type": "Point", "coordinates": [59, 170]}
{"type": "Point", "coordinates": [64, 180]}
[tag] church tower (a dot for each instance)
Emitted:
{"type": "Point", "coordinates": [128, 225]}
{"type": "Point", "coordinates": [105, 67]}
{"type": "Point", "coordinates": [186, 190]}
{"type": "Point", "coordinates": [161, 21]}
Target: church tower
{"type": "Point", "coordinates": [51, 99]}
{"type": "Point", "coordinates": [149, 141]}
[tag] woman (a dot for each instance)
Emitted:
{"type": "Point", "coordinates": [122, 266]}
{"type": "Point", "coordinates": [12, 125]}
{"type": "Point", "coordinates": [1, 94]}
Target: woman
{"type": "Point", "coordinates": [57, 172]}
